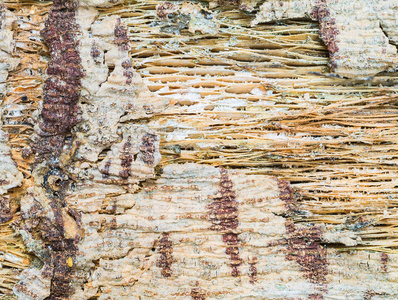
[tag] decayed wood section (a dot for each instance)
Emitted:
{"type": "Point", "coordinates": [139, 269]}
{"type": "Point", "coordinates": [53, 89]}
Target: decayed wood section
{"type": "Point", "coordinates": [185, 150]}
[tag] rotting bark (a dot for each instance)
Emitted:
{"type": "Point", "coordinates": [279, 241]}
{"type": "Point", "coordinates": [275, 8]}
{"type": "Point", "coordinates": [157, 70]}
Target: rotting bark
{"type": "Point", "coordinates": [219, 231]}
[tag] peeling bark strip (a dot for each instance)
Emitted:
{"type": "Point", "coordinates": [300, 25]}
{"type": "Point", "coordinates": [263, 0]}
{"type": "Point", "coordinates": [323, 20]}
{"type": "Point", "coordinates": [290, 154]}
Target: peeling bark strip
{"type": "Point", "coordinates": [62, 88]}
{"type": "Point", "coordinates": [303, 246]}
{"type": "Point", "coordinates": [224, 216]}
{"type": "Point", "coordinates": [166, 255]}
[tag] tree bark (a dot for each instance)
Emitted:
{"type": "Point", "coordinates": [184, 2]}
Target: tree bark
{"type": "Point", "coordinates": [167, 150]}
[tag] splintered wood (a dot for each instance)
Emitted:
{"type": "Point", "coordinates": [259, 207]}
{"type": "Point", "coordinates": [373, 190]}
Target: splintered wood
{"type": "Point", "coordinates": [256, 98]}
{"type": "Point", "coordinates": [13, 256]}
{"type": "Point", "coordinates": [186, 150]}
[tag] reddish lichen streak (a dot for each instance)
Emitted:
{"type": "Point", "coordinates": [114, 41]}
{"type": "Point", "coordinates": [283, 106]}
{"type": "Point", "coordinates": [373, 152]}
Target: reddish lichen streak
{"type": "Point", "coordinates": [128, 72]}
{"type": "Point", "coordinates": [286, 195]}
{"type": "Point", "coordinates": [105, 170]}
{"type": "Point", "coordinates": [148, 149]}
{"type": "Point", "coordinates": [198, 294]}
{"type": "Point", "coordinates": [223, 213]}
{"type": "Point", "coordinates": [121, 38]}
{"type": "Point", "coordinates": [165, 248]}
{"type": "Point", "coordinates": [303, 245]}
{"type": "Point", "coordinates": [95, 52]}
{"type": "Point", "coordinates": [253, 270]}
{"type": "Point", "coordinates": [163, 10]}
{"type": "Point", "coordinates": [126, 159]}
{"type": "Point", "coordinates": [61, 91]}
{"type": "Point", "coordinates": [327, 27]}
{"type": "Point", "coordinates": [384, 261]}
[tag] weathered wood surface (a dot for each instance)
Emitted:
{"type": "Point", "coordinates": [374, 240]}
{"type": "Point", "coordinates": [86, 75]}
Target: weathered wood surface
{"type": "Point", "coordinates": [153, 142]}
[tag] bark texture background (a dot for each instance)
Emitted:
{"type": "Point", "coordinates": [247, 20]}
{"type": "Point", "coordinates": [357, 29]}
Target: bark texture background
{"type": "Point", "coordinates": [185, 150]}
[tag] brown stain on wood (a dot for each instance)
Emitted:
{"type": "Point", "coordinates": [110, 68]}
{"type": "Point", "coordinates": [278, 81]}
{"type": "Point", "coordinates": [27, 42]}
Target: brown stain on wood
{"type": "Point", "coordinates": [224, 217]}
{"type": "Point", "coordinates": [165, 248]}
{"type": "Point", "coordinates": [303, 245]}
